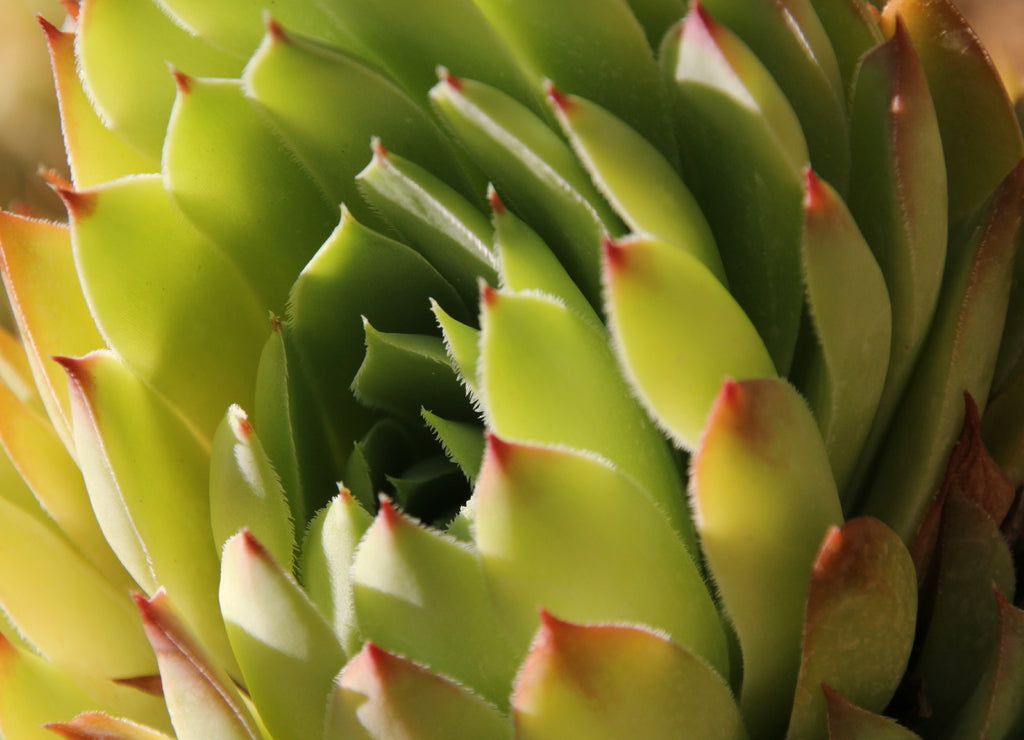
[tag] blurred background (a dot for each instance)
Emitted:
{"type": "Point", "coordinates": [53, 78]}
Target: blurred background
{"type": "Point", "coordinates": [30, 131]}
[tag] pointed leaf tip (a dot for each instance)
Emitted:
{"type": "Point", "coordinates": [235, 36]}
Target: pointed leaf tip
{"type": "Point", "coordinates": [253, 547]}
{"type": "Point", "coordinates": [614, 253]}
{"type": "Point", "coordinates": [54, 179]}
{"type": "Point", "coordinates": [831, 547]}
{"type": "Point", "coordinates": [495, 200]}
{"type": "Point", "coordinates": [181, 80]}
{"type": "Point", "coordinates": [380, 152]}
{"type": "Point", "coordinates": [72, 8]}
{"type": "Point", "coordinates": [387, 512]}
{"type": "Point", "coordinates": [497, 449]}
{"type": "Point", "coordinates": [75, 369]}
{"type": "Point", "coordinates": [274, 29]}
{"type": "Point", "coordinates": [79, 204]}
{"type": "Point", "coordinates": [558, 98]}
{"type": "Point", "coordinates": [488, 295]}
{"type": "Point", "coordinates": [51, 31]}
{"type": "Point", "coordinates": [241, 427]}
{"type": "Point", "coordinates": [448, 78]}
{"type": "Point", "coordinates": [814, 190]}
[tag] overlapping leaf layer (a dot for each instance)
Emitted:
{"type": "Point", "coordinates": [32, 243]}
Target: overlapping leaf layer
{"type": "Point", "coordinates": [475, 369]}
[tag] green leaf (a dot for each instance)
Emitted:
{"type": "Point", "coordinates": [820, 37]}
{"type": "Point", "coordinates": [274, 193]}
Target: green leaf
{"type": "Point", "coordinates": [527, 263]}
{"type": "Point", "coordinates": [548, 377]}
{"type": "Point", "coordinates": [411, 585]}
{"type": "Point", "coordinates": [763, 499]}
{"type": "Point", "coordinates": [245, 490]}
{"type": "Point", "coordinates": [558, 42]}
{"type": "Point", "coordinates": [201, 698]}
{"type": "Point", "coordinates": [963, 630]}
{"type": "Point", "coordinates": [844, 375]}
{"type": "Point", "coordinates": [959, 355]}
{"type": "Point", "coordinates": [147, 478]}
{"type": "Point", "coordinates": [996, 708]}
{"type": "Point", "coordinates": [656, 16]}
{"type": "Point", "coordinates": [742, 144]}
{"type": "Point", "coordinates": [639, 183]}
{"type": "Point", "coordinates": [266, 211]}
{"type": "Point", "coordinates": [402, 373]}
{"type": "Point", "coordinates": [981, 139]}
{"type": "Point", "coordinates": [568, 532]}
{"type": "Point", "coordinates": [95, 153]}
{"type": "Point", "coordinates": [789, 39]}
{"type": "Point", "coordinates": [357, 273]}
{"type": "Point", "coordinates": [846, 721]}
{"type": "Point", "coordinates": [288, 653]}
{"type": "Point", "coordinates": [381, 695]}
{"type": "Point", "coordinates": [432, 218]}
{"type": "Point", "coordinates": [677, 332]}
{"type": "Point", "coordinates": [154, 284]}
{"type": "Point", "coordinates": [34, 692]}
{"type": "Point", "coordinates": [462, 343]}
{"type": "Point", "coordinates": [462, 442]}
{"type": "Point", "coordinates": [388, 448]}
{"type": "Point", "coordinates": [333, 136]}
{"type": "Point", "coordinates": [612, 682]}
{"type": "Point", "coordinates": [99, 635]}
{"type": "Point", "coordinates": [56, 483]}
{"type": "Point", "coordinates": [897, 198]}
{"type": "Point", "coordinates": [49, 307]}
{"type": "Point", "coordinates": [327, 555]}
{"type": "Point", "coordinates": [859, 623]}
{"type": "Point", "coordinates": [534, 170]}
{"type": "Point", "coordinates": [853, 30]}
{"type": "Point", "coordinates": [137, 106]}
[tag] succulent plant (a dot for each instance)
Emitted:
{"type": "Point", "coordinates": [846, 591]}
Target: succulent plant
{"type": "Point", "coordinates": [478, 369]}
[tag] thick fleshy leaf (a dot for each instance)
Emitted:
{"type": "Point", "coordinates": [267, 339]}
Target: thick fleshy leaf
{"type": "Point", "coordinates": [64, 605]}
{"type": "Point", "coordinates": [844, 375]}
{"type": "Point", "coordinates": [846, 721]}
{"type": "Point", "coordinates": [327, 554]}
{"type": "Point", "coordinates": [1001, 428]}
{"type": "Point", "coordinates": [15, 370]}
{"type": "Point", "coordinates": [853, 30]}
{"type": "Point", "coordinates": [462, 442]}
{"type": "Point", "coordinates": [333, 136]}
{"type": "Point", "coordinates": [963, 630]}
{"type": "Point", "coordinates": [789, 39]}
{"type": "Point", "coordinates": [462, 343]}
{"type": "Point", "coordinates": [201, 698]}
{"type": "Point", "coordinates": [267, 211]}
{"type": "Point", "coordinates": [245, 490]}
{"type": "Point", "coordinates": [996, 709]}
{"type": "Point", "coordinates": [567, 532]}
{"type": "Point", "coordinates": [144, 468]}
{"type": "Point", "coordinates": [858, 624]}
{"type": "Point", "coordinates": [138, 105]}
{"type": "Point", "coordinates": [411, 585]}
{"type": "Point", "coordinates": [95, 153]}
{"type": "Point", "coordinates": [656, 16]}
{"type": "Point", "coordinates": [34, 692]}
{"type": "Point", "coordinates": [897, 198]}
{"type": "Point", "coordinates": [357, 274]}
{"type": "Point", "coordinates": [981, 138]}
{"type": "Point", "coordinates": [527, 263]}
{"type": "Point", "coordinates": [53, 317]}
{"type": "Point", "coordinates": [154, 284]}
{"type": "Point", "coordinates": [677, 332]}
{"type": "Point", "coordinates": [549, 377]}
{"type": "Point", "coordinates": [432, 489]}
{"type": "Point", "coordinates": [432, 218]}
{"type": "Point", "coordinates": [959, 355]}
{"type": "Point", "coordinates": [639, 183]}
{"type": "Point", "coordinates": [534, 170]}
{"type": "Point", "coordinates": [100, 726]}
{"type": "Point", "coordinates": [612, 682]}
{"type": "Point", "coordinates": [403, 373]}
{"type": "Point", "coordinates": [288, 653]}
{"type": "Point", "coordinates": [388, 448]}
{"type": "Point", "coordinates": [557, 42]}
{"type": "Point", "coordinates": [763, 499]}
{"type": "Point", "coordinates": [44, 463]}
{"type": "Point", "coordinates": [381, 695]}
{"type": "Point", "coordinates": [742, 143]}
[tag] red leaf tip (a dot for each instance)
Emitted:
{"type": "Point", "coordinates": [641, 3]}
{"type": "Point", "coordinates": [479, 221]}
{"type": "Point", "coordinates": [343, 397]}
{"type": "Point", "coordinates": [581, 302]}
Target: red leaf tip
{"type": "Point", "coordinates": [495, 200]}
{"type": "Point", "coordinates": [253, 547]}
{"type": "Point", "coordinates": [51, 31]}
{"type": "Point", "coordinates": [181, 80]}
{"type": "Point", "coordinates": [498, 449]}
{"type": "Point", "coordinates": [614, 253]}
{"type": "Point", "coordinates": [274, 29]}
{"type": "Point", "coordinates": [379, 150]}
{"type": "Point", "coordinates": [387, 513]}
{"type": "Point", "coordinates": [488, 295]}
{"type": "Point", "coordinates": [447, 77]}
{"type": "Point", "coordinates": [71, 7]}
{"type": "Point", "coordinates": [240, 424]}
{"type": "Point", "coordinates": [75, 367]}
{"type": "Point", "coordinates": [814, 189]}
{"type": "Point", "coordinates": [344, 494]}
{"type": "Point", "coordinates": [559, 99]}
{"type": "Point", "coordinates": [79, 204]}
